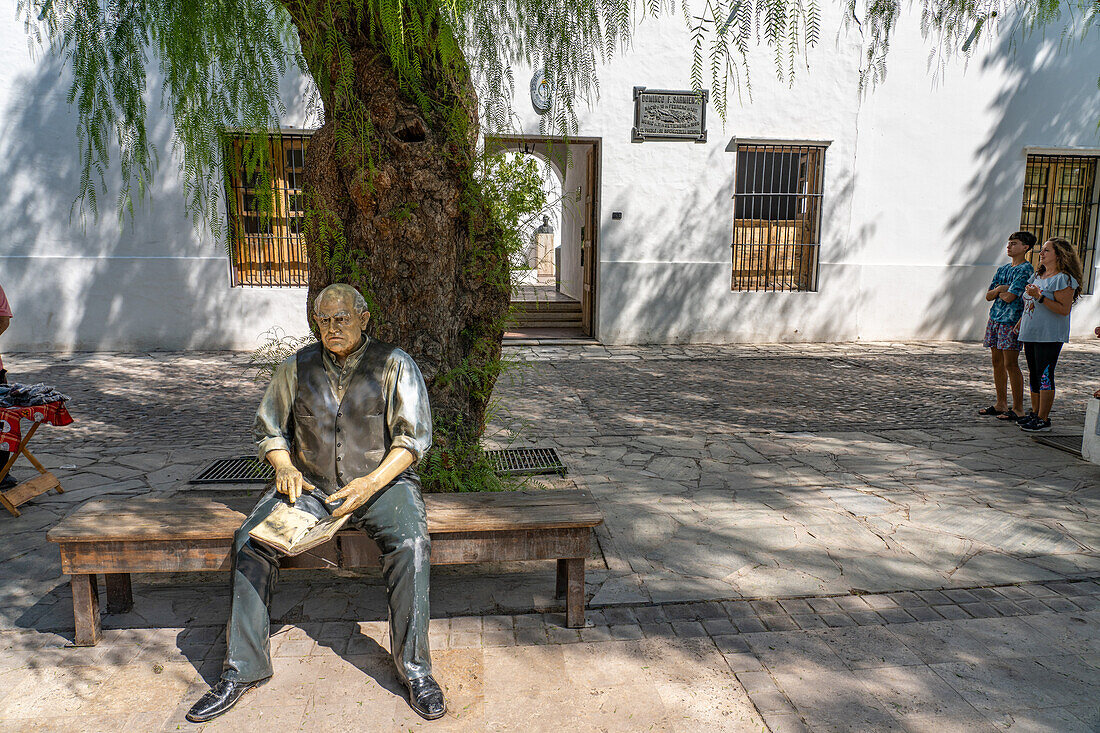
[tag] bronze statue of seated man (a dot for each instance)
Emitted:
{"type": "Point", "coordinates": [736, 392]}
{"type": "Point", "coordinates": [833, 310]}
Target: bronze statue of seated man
{"type": "Point", "coordinates": [343, 423]}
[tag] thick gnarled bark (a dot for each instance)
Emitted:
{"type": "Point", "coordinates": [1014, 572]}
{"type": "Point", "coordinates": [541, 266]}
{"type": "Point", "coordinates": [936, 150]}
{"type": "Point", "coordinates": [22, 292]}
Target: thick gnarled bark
{"type": "Point", "coordinates": [435, 290]}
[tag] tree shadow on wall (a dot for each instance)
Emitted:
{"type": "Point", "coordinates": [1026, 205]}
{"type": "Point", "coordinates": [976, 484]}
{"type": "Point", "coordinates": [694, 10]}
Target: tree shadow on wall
{"type": "Point", "coordinates": [1045, 101]}
{"type": "Point", "coordinates": [92, 284]}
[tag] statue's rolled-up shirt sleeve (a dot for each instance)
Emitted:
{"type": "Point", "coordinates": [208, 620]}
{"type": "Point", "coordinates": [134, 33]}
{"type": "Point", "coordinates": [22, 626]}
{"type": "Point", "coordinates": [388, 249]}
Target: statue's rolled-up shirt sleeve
{"type": "Point", "coordinates": [271, 428]}
{"type": "Point", "coordinates": [408, 414]}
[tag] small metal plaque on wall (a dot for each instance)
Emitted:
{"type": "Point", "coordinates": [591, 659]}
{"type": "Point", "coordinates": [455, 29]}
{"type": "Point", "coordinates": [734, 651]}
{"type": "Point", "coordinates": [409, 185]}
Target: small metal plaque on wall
{"type": "Point", "coordinates": [661, 114]}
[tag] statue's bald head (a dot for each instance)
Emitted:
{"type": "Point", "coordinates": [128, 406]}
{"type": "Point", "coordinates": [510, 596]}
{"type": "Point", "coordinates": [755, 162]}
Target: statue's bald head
{"type": "Point", "coordinates": [345, 294]}
{"type": "Point", "coordinates": [341, 315]}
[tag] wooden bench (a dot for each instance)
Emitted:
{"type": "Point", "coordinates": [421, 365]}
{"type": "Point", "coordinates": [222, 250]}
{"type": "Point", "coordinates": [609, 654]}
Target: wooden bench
{"type": "Point", "coordinates": [118, 537]}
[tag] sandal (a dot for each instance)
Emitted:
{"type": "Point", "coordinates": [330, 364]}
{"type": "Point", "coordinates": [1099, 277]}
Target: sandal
{"type": "Point", "coordinates": [991, 410]}
{"type": "Point", "coordinates": [1008, 415]}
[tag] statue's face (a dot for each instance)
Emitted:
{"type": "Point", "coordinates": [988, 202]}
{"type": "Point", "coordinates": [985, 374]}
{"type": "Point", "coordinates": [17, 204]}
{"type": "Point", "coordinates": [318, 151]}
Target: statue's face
{"type": "Point", "coordinates": [341, 328]}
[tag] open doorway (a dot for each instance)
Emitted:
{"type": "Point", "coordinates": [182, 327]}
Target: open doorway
{"type": "Point", "coordinates": [554, 292]}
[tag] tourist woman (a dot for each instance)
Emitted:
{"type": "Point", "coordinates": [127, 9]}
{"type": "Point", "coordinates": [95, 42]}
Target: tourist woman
{"type": "Point", "coordinates": [1044, 325]}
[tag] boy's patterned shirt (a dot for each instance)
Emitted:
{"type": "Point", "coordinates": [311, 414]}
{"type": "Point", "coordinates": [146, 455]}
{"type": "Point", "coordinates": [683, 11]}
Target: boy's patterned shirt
{"type": "Point", "coordinates": [1016, 278]}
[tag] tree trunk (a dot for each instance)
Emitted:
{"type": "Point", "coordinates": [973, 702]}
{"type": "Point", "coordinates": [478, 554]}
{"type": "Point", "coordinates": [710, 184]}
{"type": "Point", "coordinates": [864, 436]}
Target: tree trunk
{"type": "Point", "coordinates": [396, 213]}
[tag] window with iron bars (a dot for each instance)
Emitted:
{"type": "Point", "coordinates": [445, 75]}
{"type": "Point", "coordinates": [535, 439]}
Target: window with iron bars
{"type": "Point", "coordinates": [1061, 196]}
{"type": "Point", "coordinates": [265, 212]}
{"type": "Point", "coordinates": [777, 216]}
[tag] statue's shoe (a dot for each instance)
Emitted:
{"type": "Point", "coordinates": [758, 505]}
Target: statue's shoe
{"type": "Point", "coordinates": [220, 698]}
{"type": "Point", "coordinates": [426, 698]}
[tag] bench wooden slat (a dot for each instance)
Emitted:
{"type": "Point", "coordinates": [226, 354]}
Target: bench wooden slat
{"type": "Point", "coordinates": [146, 556]}
{"type": "Point", "coordinates": [569, 513]}
{"type": "Point", "coordinates": [185, 518]}
{"type": "Point", "coordinates": [148, 520]}
{"type": "Point", "coordinates": [458, 548]}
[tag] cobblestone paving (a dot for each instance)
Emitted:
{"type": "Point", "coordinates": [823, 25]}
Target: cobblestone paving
{"type": "Point", "coordinates": [763, 505]}
{"type": "Point", "coordinates": [600, 390]}
{"type": "Point", "coordinates": [135, 401]}
{"type": "Point", "coordinates": [1018, 657]}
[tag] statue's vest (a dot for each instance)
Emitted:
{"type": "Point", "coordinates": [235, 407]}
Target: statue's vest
{"type": "Point", "coordinates": [335, 442]}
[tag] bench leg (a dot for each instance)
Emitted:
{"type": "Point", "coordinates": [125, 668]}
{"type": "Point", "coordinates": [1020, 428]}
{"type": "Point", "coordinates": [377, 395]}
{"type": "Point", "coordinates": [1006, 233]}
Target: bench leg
{"type": "Point", "coordinates": [120, 595]}
{"type": "Point", "coordinates": [86, 610]}
{"type": "Point", "coordinates": [574, 595]}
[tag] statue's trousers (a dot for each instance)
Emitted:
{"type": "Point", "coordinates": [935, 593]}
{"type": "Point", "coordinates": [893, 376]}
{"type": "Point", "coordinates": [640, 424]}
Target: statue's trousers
{"type": "Point", "coordinates": [396, 520]}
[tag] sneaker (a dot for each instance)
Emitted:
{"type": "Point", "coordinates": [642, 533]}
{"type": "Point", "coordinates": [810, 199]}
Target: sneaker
{"type": "Point", "coordinates": [1023, 419]}
{"type": "Point", "coordinates": [1038, 425]}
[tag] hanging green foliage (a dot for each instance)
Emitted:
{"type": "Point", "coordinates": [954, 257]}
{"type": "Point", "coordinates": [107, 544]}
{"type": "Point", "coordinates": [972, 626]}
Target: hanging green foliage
{"type": "Point", "coordinates": [220, 62]}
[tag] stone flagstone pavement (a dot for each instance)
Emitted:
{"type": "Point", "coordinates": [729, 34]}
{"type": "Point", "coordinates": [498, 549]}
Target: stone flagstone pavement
{"type": "Point", "coordinates": [810, 537]}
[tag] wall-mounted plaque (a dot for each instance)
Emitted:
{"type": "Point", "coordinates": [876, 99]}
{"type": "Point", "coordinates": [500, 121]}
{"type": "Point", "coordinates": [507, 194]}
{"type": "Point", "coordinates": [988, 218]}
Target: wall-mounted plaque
{"type": "Point", "coordinates": [661, 114]}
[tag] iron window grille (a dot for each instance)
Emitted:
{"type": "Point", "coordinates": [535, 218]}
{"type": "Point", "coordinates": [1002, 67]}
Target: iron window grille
{"type": "Point", "coordinates": [1061, 196]}
{"type": "Point", "coordinates": [265, 211]}
{"type": "Point", "coordinates": [777, 216]}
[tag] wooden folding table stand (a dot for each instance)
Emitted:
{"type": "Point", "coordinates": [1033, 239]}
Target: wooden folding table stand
{"type": "Point", "coordinates": [40, 484]}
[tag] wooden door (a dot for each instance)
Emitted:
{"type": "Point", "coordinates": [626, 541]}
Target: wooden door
{"type": "Point", "coordinates": [588, 234]}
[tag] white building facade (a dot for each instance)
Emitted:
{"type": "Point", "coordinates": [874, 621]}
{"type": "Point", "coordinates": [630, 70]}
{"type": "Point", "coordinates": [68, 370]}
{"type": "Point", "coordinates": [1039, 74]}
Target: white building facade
{"type": "Point", "coordinates": [891, 208]}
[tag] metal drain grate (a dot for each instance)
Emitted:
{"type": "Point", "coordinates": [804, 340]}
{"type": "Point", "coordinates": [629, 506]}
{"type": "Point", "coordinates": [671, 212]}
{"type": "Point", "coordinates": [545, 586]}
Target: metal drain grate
{"type": "Point", "coordinates": [1068, 443]}
{"type": "Point", "coordinates": [526, 461]}
{"type": "Point", "coordinates": [243, 470]}
{"type": "Point", "coordinates": [247, 470]}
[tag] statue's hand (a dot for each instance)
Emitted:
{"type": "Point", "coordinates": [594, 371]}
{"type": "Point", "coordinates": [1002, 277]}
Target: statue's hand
{"type": "Point", "coordinates": [289, 481]}
{"type": "Point", "coordinates": [355, 494]}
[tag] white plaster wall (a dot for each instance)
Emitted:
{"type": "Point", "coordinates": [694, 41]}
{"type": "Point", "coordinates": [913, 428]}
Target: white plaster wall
{"type": "Point", "coordinates": [923, 182]}
{"type": "Point", "coordinates": [151, 283]}
{"type": "Point", "coordinates": [941, 171]}
{"type": "Point", "coordinates": [664, 270]}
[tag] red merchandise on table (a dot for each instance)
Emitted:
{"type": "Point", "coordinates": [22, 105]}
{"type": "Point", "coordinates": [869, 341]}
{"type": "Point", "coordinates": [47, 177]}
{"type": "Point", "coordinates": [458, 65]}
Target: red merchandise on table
{"type": "Point", "coordinates": [14, 442]}
{"type": "Point", "coordinates": [53, 413]}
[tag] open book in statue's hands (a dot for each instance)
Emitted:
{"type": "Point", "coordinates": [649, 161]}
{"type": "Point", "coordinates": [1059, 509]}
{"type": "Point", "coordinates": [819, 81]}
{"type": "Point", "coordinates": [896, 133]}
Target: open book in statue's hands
{"type": "Point", "coordinates": [294, 531]}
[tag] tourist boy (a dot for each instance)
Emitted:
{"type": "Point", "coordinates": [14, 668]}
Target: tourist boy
{"type": "Point", "coordinates": [1004, 292]}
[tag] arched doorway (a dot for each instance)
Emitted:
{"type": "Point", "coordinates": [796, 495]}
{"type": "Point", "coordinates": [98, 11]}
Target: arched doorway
{"type": "Point", "coordinates": [554, 298]}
